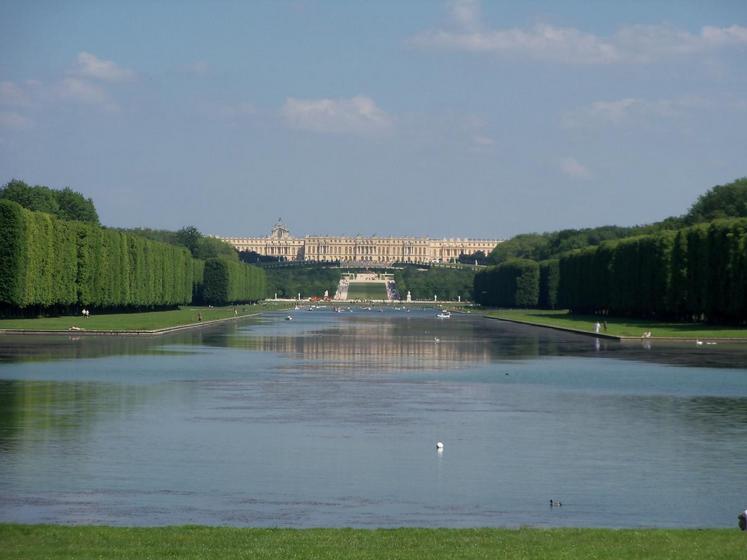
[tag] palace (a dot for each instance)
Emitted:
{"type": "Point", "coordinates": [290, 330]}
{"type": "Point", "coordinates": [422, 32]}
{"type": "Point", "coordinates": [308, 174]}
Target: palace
{"type": "Point", "coordinates": [375, 250]}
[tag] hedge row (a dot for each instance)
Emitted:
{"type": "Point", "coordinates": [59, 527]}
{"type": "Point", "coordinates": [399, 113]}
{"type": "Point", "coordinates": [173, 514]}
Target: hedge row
{"type": "Point", "coordinates": [514, 283]}
{"type": "Point", "coordinates": [226, 281]}
{"type": "Point", "coordinates": [46, 262]}
{"type": "Point", "coordinates": [696, 272]}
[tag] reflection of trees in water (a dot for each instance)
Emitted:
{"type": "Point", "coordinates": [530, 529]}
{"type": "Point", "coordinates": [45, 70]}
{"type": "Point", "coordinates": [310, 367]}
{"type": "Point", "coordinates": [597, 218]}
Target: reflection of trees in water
{"type": "Point", "coordinates": [41, 410]}
{"type": "Point", "coordinates": [29, 348]}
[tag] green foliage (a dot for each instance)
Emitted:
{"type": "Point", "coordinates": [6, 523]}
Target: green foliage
{"type": "Point", "coordinates": [448, 284]}
{"type": "Point", "coordinates": [696, 272]}
{"type": "Point", "coordinates": [549, 279]}
{"type": "Point", "coordinates": [74, 206]}
{"type": "Point", "coordinates": [65, 204]}
{"type": "Point", "coordinates": [200, 246]}
{"type": "Point", "coordinates": [226, 281]}
{"type": "Point", "coordinates": [13, 252]}
{"type": "Point", "coordinates": [722, 201]}
{"type": "Point", "coordinates": [543, 246]}
{"type": "Point", "coordinates": [49, 263]}
{"type": "Point", "coordinates": [307, 280]}
{"type": "Point", "coordinates": [514, 283]}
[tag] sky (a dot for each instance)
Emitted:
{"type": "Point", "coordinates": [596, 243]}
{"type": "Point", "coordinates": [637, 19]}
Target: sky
{"type": "Point", "coordinates": [441, 119]}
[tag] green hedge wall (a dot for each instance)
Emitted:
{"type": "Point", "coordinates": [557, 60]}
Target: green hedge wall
{"type": "Point", "coordinates": [46, 262]}
{"type": "Point", "coordinates": [226, 281]}
{"type": "Point", "coordinates": [695, 272]}
{"type": "Point", "coordinates": [549, 278]}
{"type": "Point", "coordinates": [514, 283]}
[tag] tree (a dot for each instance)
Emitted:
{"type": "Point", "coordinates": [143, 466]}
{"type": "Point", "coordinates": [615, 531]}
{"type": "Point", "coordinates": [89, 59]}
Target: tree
{"type": "Point", "coordinates": [38, 199]}
{"type": "Point", "coordinates": [65, 204]}
{"type": "Point", "coordinates": [722, 201]}
{"type": "Point", "coordinates": [74, 206]}
{"type": "Point", "coordinates": [190, 237]}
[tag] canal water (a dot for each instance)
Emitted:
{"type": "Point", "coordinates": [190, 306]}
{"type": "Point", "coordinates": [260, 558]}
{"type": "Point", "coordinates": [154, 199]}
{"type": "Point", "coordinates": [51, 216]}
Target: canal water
{"type": "Point", "coordinates": [331, 419]}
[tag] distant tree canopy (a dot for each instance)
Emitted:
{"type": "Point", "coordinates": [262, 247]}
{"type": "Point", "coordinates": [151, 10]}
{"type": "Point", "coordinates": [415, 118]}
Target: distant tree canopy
{"type": "Point", "coordinates": [722, 201]}
{"type": "Point", "coordinates": [65, 204]}
{"type": "Point", "coordinates": [444, 283]}
{"type": "Point", "coordinates": [252, 257]}
{"type": "Point", "coordinates": [201, 246]}
{"type": "Point", "coordinates": [542, 246]}
{"type": "Point", "coordinates": [478, 257]}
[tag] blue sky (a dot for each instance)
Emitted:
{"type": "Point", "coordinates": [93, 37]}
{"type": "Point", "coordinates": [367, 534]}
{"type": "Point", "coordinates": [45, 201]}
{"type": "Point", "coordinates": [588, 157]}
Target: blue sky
{"type": "Point", "coordinates": [446, 119]}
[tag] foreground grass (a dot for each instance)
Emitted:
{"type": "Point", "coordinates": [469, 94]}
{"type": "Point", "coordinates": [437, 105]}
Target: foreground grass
{"type": "Point", "coordinates": [204, 543]}
{"type": "Point", "coordinates": [149, 320]}
{"type": "Point", "coordinates": [618, 326]}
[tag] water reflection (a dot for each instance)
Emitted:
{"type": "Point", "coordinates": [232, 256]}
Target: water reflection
{"type": "Point", "coordinates": [273, 422]}
{"type": "Point", "coordinates": [389, 340]}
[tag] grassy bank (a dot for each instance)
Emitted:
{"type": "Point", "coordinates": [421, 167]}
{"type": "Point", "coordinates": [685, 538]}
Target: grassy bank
{"type": "Point", "coordinates": [60, 542]}
{"type": "Point", "coordinates": [149, 320]}
{"type": "Point", "coordinates": [366, 290]}
{"type": "Point", "coordinates": [618, 326]}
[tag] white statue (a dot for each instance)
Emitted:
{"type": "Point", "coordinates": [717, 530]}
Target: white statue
{"type": "Point", "coordinates": [409, 297]}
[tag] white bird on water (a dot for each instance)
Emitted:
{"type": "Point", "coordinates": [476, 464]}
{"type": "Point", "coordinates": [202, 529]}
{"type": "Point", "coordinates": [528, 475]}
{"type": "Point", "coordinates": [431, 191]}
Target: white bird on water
{"type": "Point", "coordinates": [439, 445]}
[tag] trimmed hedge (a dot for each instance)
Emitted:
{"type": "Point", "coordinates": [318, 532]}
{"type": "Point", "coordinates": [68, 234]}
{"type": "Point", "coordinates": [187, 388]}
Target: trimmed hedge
{"type": "Point", "coordinates": [514, 283]}
{"type": "Point", "coordinates": [698, 272]}
{"type": "Point", "coordinates": [549, 278]}
{"type": "Point", "coordinates": [50, 263]}
{"type": "Point", "coordinates": [226, 281]}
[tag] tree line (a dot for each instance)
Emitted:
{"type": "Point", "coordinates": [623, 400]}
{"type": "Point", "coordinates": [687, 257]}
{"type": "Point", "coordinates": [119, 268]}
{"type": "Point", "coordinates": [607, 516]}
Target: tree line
{"type": "Point", "coordinates": [689, 268]}
{"type": "Point", "coordinates": [445, 283]}
{"type": "Point", "coordinates": [53, 265]}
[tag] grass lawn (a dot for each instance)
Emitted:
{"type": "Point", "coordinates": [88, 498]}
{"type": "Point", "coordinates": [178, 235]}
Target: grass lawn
{"type": "Point", "coordinates": [618, 326]}
{"type": "Point", "coordinates": [367, 290]}
{"type": "Point", "coordinates": [148, 320]}
{"type": "Point", "coordinates": [59, 542]}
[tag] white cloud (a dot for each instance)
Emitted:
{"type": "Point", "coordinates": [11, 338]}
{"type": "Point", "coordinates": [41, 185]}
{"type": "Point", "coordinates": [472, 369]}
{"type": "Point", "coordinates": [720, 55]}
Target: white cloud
{"type": "Point", "coordinates": [90, 66]}
{"type": "Point", "coordinates": [86, 92]}
{"type": "Point", "coordinates": [630, 110]}
{"type": "Point", "coordinates": [466, 13]}
{"type": "Point", "coordinates": [541, 42]}
{"type": "Point", "coordinates": [357, 115]}
{"type": "Point", "coordinates": [13, 94]}
{"type": "Point", "coordinates": [14, 120]}
{"type": "Point", "coordinates": [482, 140]}
{"type": "Point", "coordinates": [630, 44]}
{"type": "Point", "coordinates": [571, 167]}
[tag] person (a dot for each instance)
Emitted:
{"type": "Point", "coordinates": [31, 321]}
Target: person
{"type": "Point", "coordinates": [597, 327]}
{"type": "Point", "coordinates": [604, 326]}
{"type": "Point", "coordinates": [199, 316]}
{"type": "Point", "coordinates": [743, 520]}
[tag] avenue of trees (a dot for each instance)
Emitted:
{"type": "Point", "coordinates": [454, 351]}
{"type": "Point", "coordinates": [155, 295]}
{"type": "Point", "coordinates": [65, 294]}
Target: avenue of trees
{"type": "Point", "coordinates": [226, 281]}
{"type": "Point", "coordinates": [47, 263]}
{"type": "Point", "coordinates": [692, 267]}
{"type": "Point", "coordinates": [53, 265]}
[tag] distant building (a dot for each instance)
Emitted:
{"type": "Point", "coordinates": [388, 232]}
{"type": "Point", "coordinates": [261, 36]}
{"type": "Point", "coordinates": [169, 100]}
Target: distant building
{"type": "Point", "coordinates": [358, 249]}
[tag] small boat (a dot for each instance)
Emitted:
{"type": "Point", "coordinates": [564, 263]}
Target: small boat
{"type": "Point", "coordinates": [444, 315]}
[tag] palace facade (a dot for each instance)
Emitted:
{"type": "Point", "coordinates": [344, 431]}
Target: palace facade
{"type": "Point", "coordinates": [380, 250]}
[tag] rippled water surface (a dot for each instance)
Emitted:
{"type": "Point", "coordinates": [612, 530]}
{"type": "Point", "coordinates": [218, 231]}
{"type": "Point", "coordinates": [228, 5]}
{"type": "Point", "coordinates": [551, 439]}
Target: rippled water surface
{"type": "Point", "coordinates": [331, 420]}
